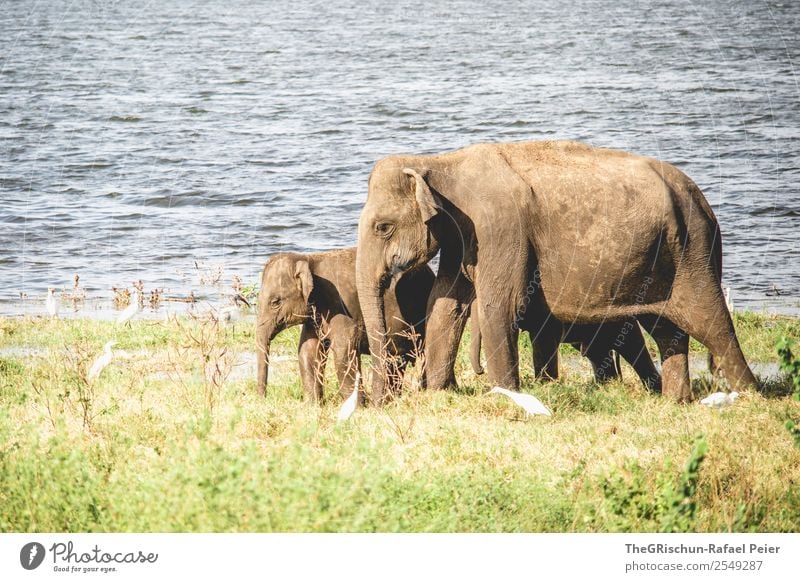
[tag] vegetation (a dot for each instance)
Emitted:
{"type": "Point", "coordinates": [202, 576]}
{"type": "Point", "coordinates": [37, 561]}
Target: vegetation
{"type": "Point", "coordinates": [173, 437]}
{"type": "Point", "coordinates": [790, 365]}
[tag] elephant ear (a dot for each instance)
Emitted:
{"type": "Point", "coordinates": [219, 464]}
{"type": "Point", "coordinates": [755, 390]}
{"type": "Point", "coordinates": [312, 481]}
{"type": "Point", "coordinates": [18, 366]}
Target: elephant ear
{"type": "Point", "coordinates": [429, 205]}
{"type": "Point", "coordinates": [303, 274]}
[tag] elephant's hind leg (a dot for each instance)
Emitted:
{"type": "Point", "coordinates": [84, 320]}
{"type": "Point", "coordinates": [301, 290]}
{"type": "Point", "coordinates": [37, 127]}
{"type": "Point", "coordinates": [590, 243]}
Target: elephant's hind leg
{"type": "Point", "coordinates": [709, 321]}
{"type": "Point", "coordinates": [673, 344]}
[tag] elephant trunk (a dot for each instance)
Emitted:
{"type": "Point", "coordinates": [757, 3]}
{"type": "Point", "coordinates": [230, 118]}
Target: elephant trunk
{"type": "Point", "coordinates": [372, 306]}
{"type": "Point", "coordinates": [264, 333]}
{"type": "Point", "coordinates": [371, 291]}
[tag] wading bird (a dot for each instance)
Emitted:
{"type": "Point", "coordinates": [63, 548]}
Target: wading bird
{"type": "Point", "coordinates": [350, 405]}
{"type": "Point", "coordinates": [131, 310]}
{"type": "Point", "coordinates": [51, 302]}
{"type": "Point", "coordinates": [527, 402]}
{"type": "Point", "coordinates": [101, 362]}
{"type": "Point", "coordinates": [720, 399]}
{"type": "Point", "coordinates": [229, 315]}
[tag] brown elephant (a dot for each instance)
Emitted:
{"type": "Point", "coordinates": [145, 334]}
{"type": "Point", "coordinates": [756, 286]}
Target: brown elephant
{"type": "Point", "coordinates": [318, 291]}
{"type": "Point", "coordinates": [590, 235]}
{"type": "Point", "coordinates": [602, 344]}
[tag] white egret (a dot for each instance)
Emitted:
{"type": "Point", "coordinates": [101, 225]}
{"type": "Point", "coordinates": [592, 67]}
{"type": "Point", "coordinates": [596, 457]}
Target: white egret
{"type": "Point", "coordinates": [720, 399]}
{"type": "Point", "coordinates": [350, 405]}
{"type": "Point", "coordinates": [131, 310]}
{"type": "Point", "coordinates": [228, 315]}
{"type": "Point", "coordinates": [101, 362]}
{"type": "Point", "coordinates": [527, 402]}
{"type": "Point", "coordinates": [51, 302]}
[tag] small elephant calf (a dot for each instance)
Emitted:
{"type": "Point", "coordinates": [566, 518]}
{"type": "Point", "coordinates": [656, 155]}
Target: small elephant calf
{"type": "Point", "coordinates": [602, 344]}
{"type": "Point", "coordinates": [318, 291]}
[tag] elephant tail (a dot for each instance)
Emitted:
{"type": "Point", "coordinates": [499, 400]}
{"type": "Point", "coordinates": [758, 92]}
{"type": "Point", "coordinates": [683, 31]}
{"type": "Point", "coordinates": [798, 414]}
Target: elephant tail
{"type": "Point", "coordinates": [475, 343]}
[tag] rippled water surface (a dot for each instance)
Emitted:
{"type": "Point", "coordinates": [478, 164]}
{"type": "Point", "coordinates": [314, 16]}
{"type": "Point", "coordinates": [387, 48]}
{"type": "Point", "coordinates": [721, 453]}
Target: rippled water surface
{"type": "Point", "coordinates": [138, 138]}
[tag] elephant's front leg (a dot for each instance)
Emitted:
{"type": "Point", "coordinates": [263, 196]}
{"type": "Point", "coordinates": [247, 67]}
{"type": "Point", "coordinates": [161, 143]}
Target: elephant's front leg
{"type": "Point", "coordinates": [673, 343]}
{"type": "Point", "coordinates": [312, 354]}
{"type": "Point", "coordinates": [502, 304]}
{"type": "Point", "coordinates": [500, 337]}
{"type": "Point", "coordinates": [448, 310]}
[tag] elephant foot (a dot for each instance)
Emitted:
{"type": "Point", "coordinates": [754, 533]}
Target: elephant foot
{"type": "Point", "coordinates": [440, 381]}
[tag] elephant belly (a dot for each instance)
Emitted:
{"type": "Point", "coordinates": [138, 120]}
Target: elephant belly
{"type": "Point", "coordinates": [587, 273]}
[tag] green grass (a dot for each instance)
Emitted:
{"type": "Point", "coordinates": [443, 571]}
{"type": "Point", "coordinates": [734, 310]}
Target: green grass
{"type": "Point", "coordinates": [758, 333]}
{"type": "Point", "coordinates": [159, 443]}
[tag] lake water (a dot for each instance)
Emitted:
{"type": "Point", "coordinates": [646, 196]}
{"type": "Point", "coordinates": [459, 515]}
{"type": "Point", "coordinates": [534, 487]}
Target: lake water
{"type": "Point", "coordinates": [139, 137]}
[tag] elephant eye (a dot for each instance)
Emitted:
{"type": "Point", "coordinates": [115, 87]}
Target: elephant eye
{"type": "Point", "coordinates": [275, 302]}
{"type": "Point", "coordinates": [384, 229]}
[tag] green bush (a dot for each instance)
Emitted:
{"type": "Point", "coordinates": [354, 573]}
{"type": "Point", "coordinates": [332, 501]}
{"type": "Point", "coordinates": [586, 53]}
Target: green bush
{"type": "Point", "coordinates": [630, 506]}
{"type": "Point", "coordinates": [790, 365]}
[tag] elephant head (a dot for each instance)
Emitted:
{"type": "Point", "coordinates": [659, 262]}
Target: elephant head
{"type": "Point", "coordinates": [283, 301]}
{"type": "Point", "coordinates": [394, 236]}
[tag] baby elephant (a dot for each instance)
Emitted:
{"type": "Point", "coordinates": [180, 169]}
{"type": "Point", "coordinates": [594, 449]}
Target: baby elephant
{"type": "Point", "coordinates": [318, 291]}
{"type": "Point", "coordinates": [602, 344]}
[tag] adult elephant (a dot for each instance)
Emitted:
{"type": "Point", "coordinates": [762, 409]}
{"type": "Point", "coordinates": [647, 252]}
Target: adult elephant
{"type": "Point", "coordinates": [586, 234]}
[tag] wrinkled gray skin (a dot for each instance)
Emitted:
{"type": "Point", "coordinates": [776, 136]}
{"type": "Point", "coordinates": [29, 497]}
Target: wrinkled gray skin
{"type": "Point", "coordinates": [599, 235]}
{"type": "Point", "coordinates": [318, 291]}
{"type": "Point", "coordinates": [601, 344]}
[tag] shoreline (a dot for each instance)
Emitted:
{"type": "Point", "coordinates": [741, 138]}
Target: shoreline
{"type": "Point", "coordinates": [102, 308]}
